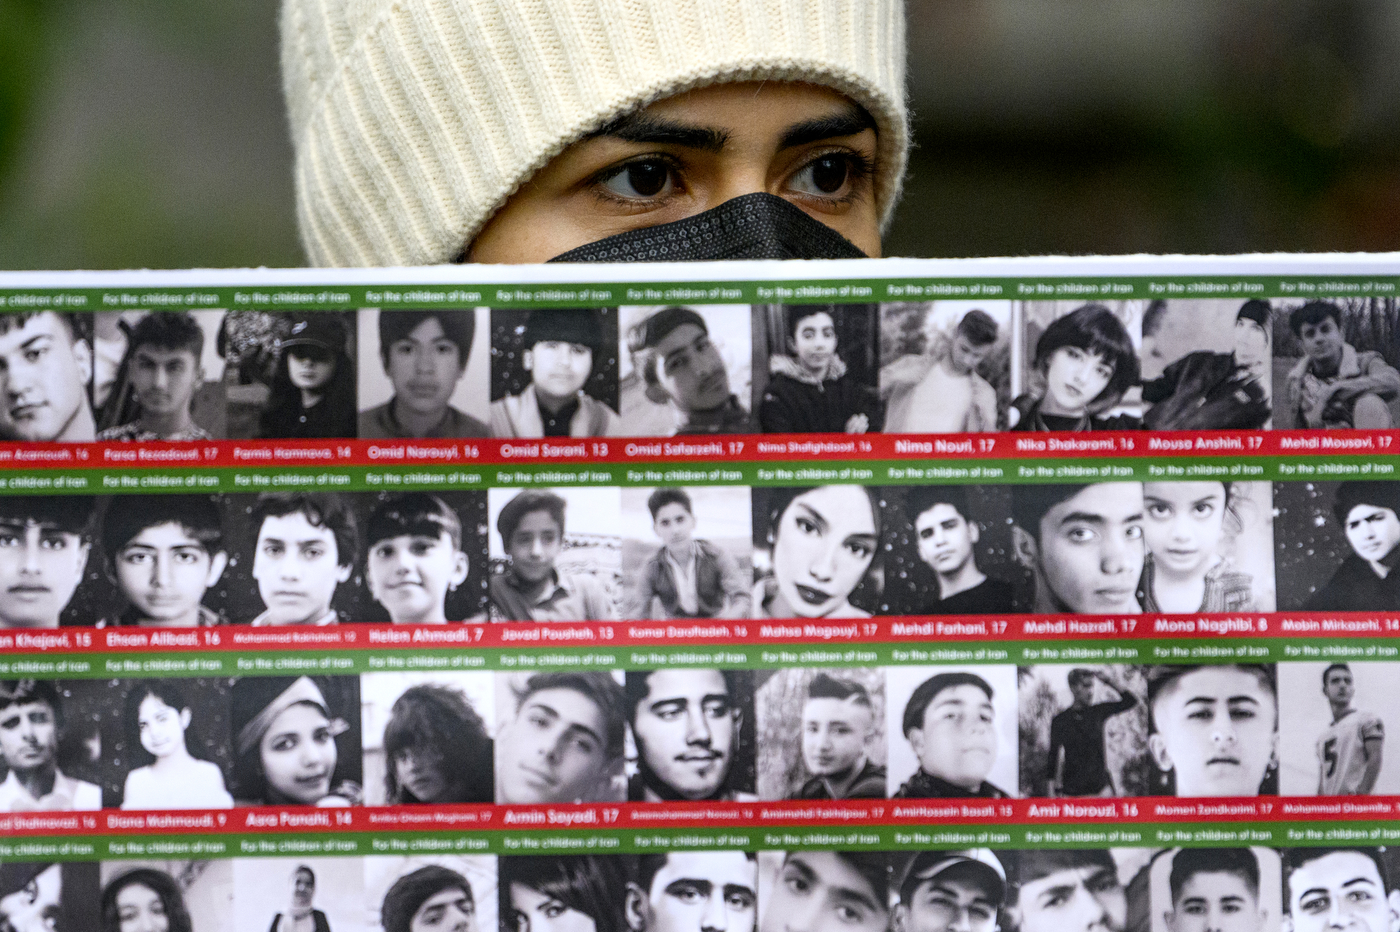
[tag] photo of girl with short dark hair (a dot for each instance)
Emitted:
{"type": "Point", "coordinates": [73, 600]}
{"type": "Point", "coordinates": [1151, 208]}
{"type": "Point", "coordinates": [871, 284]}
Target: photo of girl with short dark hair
{"type": "Point", "coordinates": [1083, 366]}
{"type": "Point", "coordinates": [313, 386]}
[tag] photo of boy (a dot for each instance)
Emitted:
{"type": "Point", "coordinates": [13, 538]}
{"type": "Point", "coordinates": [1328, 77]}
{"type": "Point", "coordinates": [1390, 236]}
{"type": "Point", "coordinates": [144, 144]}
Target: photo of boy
{"type": "Point", "coordinates": [824, 891]}
{"type": "Point", "coordinates": [1084, 364]}
{"type": "Point", "coordinates": [164, 552]}
{"type": "Point", "coordinates": [1214, 729]}
{"type": "Point", "coordinates": [1202, 372]}
{"type": "Point", "coordinates": [820, 733]}
{"type": "Point", "coordinates": [45, 370]}
{"type": "Point", "coordinates": [44, 547]}
{"type": "Point", "coordinates": [555, 374]}
{"type": "Point", "coordinates": [430, 893]}
{"type": "Point", "coordinates": [418, 555]}
{"type": "Point", "coordinates": [946, 537]}
{"type": "Point", "coordinates": [560, 738]}
{"type": "Point", "coordinates": [687, 371]}
{"type": "Point", "coordinates": [941, 361]}
{"type": "Point", "coordinates": [546, 573]}
{"type": "Point", "coordinates": [153, 396]}
{"type": "Point", "coordinates": [950, 891]}
{"type": "Point", "coordinates": [31, 728]}
{"type": "Point", "coordinates": [689, 576]}
{"type": "Point", "coordinates": [305, 546]}
{"type": "Point", "coordinates": [815, 366]}
{"type": "Point", "coordinates": [693, 733]}
{"type": "Point", "coordinates": [959, 728]}
{"type": "Point", "coordinates": [1073, 890]}
{"type": "Point", "coordinates": [1083, 730]}
{"type": "Point", "coordinates": [1083, 545]}
{"type": "Point", "coordinates": [1336, 383]}
{"type": "Point", "coordinates": [694, 891]}
{"type": "Point", "coordinates": [1207, 889]}
{"type": "Point", "coordinates": [1336, 716]}
{"type": "Point", "coordinates": [1339, 888]}
{"type": "Point", "coordinates": [426, 358]}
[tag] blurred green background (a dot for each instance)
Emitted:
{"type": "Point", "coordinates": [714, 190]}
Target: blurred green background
{"type": "Point", "coordinates": [150, 133]}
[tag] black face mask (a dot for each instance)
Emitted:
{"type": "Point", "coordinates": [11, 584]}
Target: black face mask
{"type": "Point", "coordinates": [755, 226]}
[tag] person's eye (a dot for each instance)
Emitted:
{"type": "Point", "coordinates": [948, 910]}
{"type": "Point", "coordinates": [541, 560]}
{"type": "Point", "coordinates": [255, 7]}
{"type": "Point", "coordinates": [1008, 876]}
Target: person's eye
{"type": "Point", "coordinates": [740, 900]}
{"type": "Point", "coordinates": [1133, 532]}
{"type": "Point", "coordinates": [687, 894]}
{"type": "Point", "coordinates": [1230, 908]}
{"type": "Point", "coordinates": [321, 735]}
{"type": "Point", "coordinates": [445, 348]}
{"type": "Point", "coordinates": [1202, 714]}
{"type": "Point", "coordinates": [1080, 535]}
{"type": "Point", "coordinates": [272, 550]}
{"type": "Point", "coordinates": [1074, 353]}
{"type": "Point", "coordinates": [926, 533]}
{"type": "Point", "coordinates": [186, 556]}
{"type": "Point", "coordinates": [849, 914]}
{"type": "Point", "coordinates": [717, 709]}
{"type": "Point", "coordinates": [840, 730]}
{"type": "Point", "coordinates": [1242, 714]}
{"type": "Point", "coordinates": [641, 179]}
{"type": "Point", "coordinates": [584, 745]}
{"type": "Point", "coordinates": [1204, 509]}
{"type": "Point", "coordinates": [1194, 909]}
{"type": "Point", "coordinates": [384, 551]}
{"type": "Point", "coordinates": [979, 913]}
{"type": "Point", "coordinates": [134, 558]}
{"type": "Point", "coordinates": [539, 721]}
{"type": "Point", "coordinates": [1318, 904]}
{"type": "Point", "coordinates": [9, 540]}
{"type": "Point", "coordinates": [985, 716]}
{"type": "Point", "coordinates": [53, 543]}
{"type": "Point", "coordinates": [553, 910]}
{"type": "Point", "coordinates": [421, 548]}
{"type": "Point", "coordinates": [1359, 896]}
{"type": "Point", "coordinates": [284, 743]}
{"type": "Point", "coordinates": [860, 548]}
{"type": "Point", "coordinates": [831, 175]}
{"type": "Point", "coordinates": [797, 884]}
{"type": "Point", "coordinates": [805, 525]}
{"type": "Point", "coordinates": [313, 553]}
{"type": "Point", "coordinates": [35, 354]}
{"type": "Point", "coordinates": [1159, 510]}
{"type": "Point", "coordinates": [1104, 372]}
{"type": "Point", "coordinates": [401, 348]}
{"type": "Point", "coordinates": [668, 713]}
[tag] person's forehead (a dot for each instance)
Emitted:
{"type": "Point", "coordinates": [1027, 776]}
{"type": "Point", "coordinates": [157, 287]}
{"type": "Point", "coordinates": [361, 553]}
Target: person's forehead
{"type": "Point", "coordinates": [1363, 511]}
{"type": "Point", "coordinates": [961, 694]}
{"type": "Point", "coordinates": [1214, 883]}
{"type": "Point", "coordinates": [427, 330]}
{"type": "Point", "coordinates": [829, 708]}
{"type": "Point", "coordinates": [683, 337]}
{"type": "Point", "coordinates": [1336, 869]}
{"type": "Point", "coordinates": [536, 521]}
{"type": "Point", "coordinates": [19, 525]}
{"type": "Point", "coordinates": [717, 867]}
{"type": "Point", "coordinates": [1110, 501]}
{"type": "Point", "coordinates": [832, 870]}
{"type": "Point", "coordinates": [300, 715]}
{"type": "Point", "coordinates": [168, 534]}
{"type": "Point", "coordinates": [819, 319]}
{"type": "Point", "coordinates": [294, 526]}
{"type": "Point", "coordinates": [1064, 877]}
{"type": "Point", "coordinates": [844, 506]}
{"type": "Point", "coordinates": [685, 684]}
{"type": "Point", "coordinates": [443, 897]}
{"type": "Point", "coordinates": [162, 355]}
{"type": "Point", "coordinates": [1218, 683]}
{"type": "Point", "coordinates": [671, 511]}
{"type": "Point", "coordinates": [552, 344]}
{"type": "Point", "coordinates": [937, 515]}
{"type": "Point", "coordinates": [569, 704]}
{"type": "Point", "coordinates": [407, 540]}
{"type": "Point", "coordinates": [46, 323]}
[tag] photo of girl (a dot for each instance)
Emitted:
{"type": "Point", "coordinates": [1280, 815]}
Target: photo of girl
{"type": "Point", "coordinates": [810, 387]}
{"type": "Point", "coordinates": [144, 900]}
{"type": "Point", "coordinates": [301, 915]}
{"type": "Point", "coordinates": [568, 893]}
{"type": "Point", "coordinates": [435, 745]}
{"type": "Point", "coordinates": [1084, 364]}
{"type": "Point", "coordinates": [158, 720]}
{"type": "Point", "coordinates": [1197, 535]}
{"type": "Point", "coordinates": [313, 385]}
{"type": "Point", "coordinates": [288, 742]}
{"type": "Point", "coordinates": [302, 894]}
{"type": "Point", "coordinates": [814, 549]}
{"type": "Point", "coordinates": [167, 896]}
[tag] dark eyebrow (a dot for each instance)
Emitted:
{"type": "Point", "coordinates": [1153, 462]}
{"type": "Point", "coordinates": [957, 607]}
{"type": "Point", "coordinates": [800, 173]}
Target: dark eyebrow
{"type": "Point", "coordinates": [854, 119]}
{"type": "Point", "coordinates": [650, 129]}
{"type": "Point", "coordinates": [1082, 517]}
{"type": "Point", "coordinates": [816, 517]}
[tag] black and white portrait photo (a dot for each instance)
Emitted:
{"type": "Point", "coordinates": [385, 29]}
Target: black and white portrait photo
{"type": "Point", "coordinates": [952, 732]}
{"type": "Point", "coordinates": [318, 894]}
{"type": "Point", "coordinates": [554, 372]}
{"type": "Point", "coordinates": [821, 734]}
{"type": "Point", "coordinates": [686, 552]}
{"type": "Point", "coordinates": [945, 366]}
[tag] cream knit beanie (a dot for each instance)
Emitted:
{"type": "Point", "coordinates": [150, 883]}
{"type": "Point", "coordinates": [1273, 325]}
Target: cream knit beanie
{"type": "Point", "coordinates": [414, 120]}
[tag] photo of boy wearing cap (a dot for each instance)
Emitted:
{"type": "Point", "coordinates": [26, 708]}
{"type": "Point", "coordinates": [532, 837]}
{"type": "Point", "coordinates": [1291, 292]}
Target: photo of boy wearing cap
{"type": "Point", "coordinates": [950, 891]}
{"type": "Point", "coordinates": [554, 372]}
{"type": "Point", "coordinates": [1206, 365]}
{"type": "Point", "coordinates": [313, 385]}
{"type": "Point", "coordinates": [431, 371]}
{"type": "Point", "coordinates": [682, 371]}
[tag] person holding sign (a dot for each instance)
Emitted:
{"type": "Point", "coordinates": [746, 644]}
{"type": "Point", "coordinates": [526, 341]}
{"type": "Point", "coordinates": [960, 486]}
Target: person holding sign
{"type": "Point", "coordinates": [421, 139]}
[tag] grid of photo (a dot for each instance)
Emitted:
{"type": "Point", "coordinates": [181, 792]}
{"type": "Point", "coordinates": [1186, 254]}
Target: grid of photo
{"type": "Point", "coordinates": [983, 731]}
{"type": "Point", "coordinates": [906, 368]}
{"type": "Point", "coordinates": [1241, 889]}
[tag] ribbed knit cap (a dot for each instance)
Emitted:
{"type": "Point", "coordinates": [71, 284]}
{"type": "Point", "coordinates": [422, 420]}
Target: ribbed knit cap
{"type": "Point", "coordinates": [414, 120]}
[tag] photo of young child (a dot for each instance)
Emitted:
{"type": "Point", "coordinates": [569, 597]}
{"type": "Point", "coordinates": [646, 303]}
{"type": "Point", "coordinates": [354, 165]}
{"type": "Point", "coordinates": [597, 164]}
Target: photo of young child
{"type": "Point", "coordinates": [554, 372]}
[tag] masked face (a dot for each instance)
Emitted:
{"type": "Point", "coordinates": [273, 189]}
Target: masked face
{"type": "Point", "coordinates": [660, 183]}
